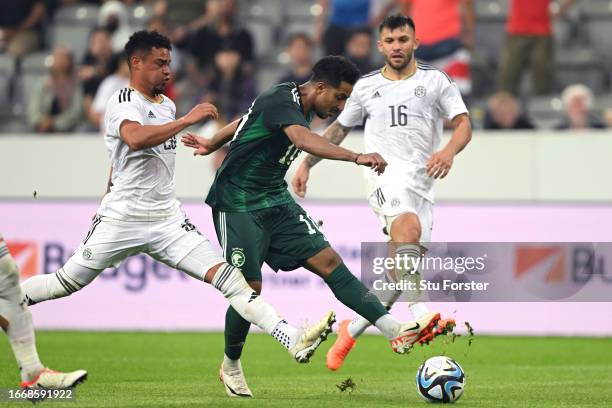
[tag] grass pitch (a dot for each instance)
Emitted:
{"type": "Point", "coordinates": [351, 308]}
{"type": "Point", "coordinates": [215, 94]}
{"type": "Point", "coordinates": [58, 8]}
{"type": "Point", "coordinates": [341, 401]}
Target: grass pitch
{"type": "Point", "coordinates": [180, 370]}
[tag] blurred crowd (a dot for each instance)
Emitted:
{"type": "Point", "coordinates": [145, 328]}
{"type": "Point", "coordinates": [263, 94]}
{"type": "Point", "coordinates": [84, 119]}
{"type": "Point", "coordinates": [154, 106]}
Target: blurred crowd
{"type": "Point", "coordinates": [216, 56]}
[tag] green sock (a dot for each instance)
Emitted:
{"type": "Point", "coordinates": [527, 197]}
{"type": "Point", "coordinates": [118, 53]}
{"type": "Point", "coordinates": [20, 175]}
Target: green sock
{"type": "Point", "coordinates": [353, 294]}
{"type": "Point", "coordinates": [236, 331]}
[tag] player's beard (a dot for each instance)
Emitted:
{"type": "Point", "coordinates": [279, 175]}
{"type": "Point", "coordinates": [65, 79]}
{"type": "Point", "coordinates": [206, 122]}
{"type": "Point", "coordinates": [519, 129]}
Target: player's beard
{"type": "Point", "coordinates": [402, 65]}
{"type": "Point", "coordinates": [159, 89]}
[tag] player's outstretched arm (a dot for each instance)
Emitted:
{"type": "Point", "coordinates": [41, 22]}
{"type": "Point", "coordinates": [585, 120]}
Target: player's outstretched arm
{"type": "Point", "coordinates": [441, 162]}
{"type": "Point", "coordinates": [204, 146]}
{"type": "Point", "coordinates": [139, 137]}
{"type": "Point", "coordinates": [335, 133]}
{"type": "Point", "coordinates": [314, 144]}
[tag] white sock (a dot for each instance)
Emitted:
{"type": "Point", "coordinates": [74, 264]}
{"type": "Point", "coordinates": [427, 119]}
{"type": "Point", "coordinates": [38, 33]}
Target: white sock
{"type": "Point", "coordinates": [230, 281]}
{"type": "Point", "coordinates": [49, 286]}
{"type": "Point", "coordinates": [388, 326]}
{"type": "Point", "coordinates": [418, 309]}
{"type": "Point", "coordinates": [286, 334]}
{"type": "Point", "coordinates": [20, 331]}
{"type": "Point", "coordinates": [231, 365]}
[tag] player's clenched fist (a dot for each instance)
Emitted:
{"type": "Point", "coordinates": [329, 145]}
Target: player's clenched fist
{"type": "Point", "coordinates": [372, 160]}
{"type": "Point", "coordinates": [201, 112]}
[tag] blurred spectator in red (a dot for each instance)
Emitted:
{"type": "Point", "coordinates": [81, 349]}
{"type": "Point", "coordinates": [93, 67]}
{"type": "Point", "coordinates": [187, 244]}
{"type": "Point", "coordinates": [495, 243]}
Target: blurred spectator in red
{"type": "Point", "coordinates": [336, 22]}
{"type": "Point", "coordinates": [20, 25]}
{"type": "Point", "coordinates": [114, 17]}
{"type": "Point", "coordinates": [56, 105]}
{"type": "Point", "coordinates": [358, 50]}
{"type": "Point", "coordinates": [504, 113]}
{"type": "Point", "coordinates": [529, 44]}
{"type": "Point", "coordinates": [231, 88]}
{"type": "Point", "coordinates": [445, 29]}
{"type": "Point", "coordinates": [299, 51]}
{"type": "Point", "coordinates": [220, 32]}
{"type": "Point", "coordinates": [118, 80]}
{"type": "Point", "coordinates": [96, 64]}
{"type": "Point", "coordinates": [578, 102]}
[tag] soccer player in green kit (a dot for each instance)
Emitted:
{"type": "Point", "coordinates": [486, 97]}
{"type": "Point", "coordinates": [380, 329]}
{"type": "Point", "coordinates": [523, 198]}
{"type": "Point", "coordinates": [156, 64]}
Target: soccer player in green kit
{"type": "Point", "coordinates": [257, 220]}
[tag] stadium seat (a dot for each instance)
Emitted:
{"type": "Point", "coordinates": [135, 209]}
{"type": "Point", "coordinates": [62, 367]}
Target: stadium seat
{"type": "Point", "coordinates": [580, 65]}
{"type": "Point", "coordinates": [597, 17]}
{"type": "Point", "coordinates": [264, 36]}
{"type": "Point", "coordinates": [77, 14]}
{"type": "Point", "coordinates": [268, 9]}
{"type": "Point", "coordinates": [139, 15]}
{"type": "Point", "coordinates": [300, 10]}
{"type": "Point", "coordinates": [74, 37]}
{"type": "Point", "coordinates": [490, 28]}
{"type": "Point", "coordinates": [268, 75]}
{"type": "Point", "coordinates": [546, 111]}
{"type": "Point", "coordinates": [36, 63]}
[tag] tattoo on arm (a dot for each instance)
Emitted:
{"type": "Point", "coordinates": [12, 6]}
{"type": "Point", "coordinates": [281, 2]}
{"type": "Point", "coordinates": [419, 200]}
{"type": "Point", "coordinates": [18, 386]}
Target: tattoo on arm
{"type": "Point", "coordinates": [335, 133]}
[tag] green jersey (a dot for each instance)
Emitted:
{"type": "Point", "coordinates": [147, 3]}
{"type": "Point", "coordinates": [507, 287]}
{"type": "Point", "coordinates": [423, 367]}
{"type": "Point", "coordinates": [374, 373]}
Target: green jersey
{"type": "Point", "coordinates": [252, 175]}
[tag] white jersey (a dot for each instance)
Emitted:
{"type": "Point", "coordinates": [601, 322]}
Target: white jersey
{"type": "Point", "coordinates": [143, 180]}
{"type": "Point", "coordinates": [404, 123]}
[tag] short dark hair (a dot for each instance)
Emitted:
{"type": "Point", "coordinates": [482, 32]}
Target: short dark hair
{"type": "Point", "coordinates": [334, 69]}
{"type": "Point", "coordinates": [299, 36]}
{"type": "Point", "coordinates": [396, 21]}
{"type": "Point", "coordinates": [143, 41]}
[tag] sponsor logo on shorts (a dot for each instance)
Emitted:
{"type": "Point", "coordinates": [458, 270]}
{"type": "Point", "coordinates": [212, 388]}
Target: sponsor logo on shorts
{"type": "Point", "coordinates": [238, 257]}
{"type": "Point", "coordinates": [395, 202]}
{"type": "Point", "coordinates": [420, 91]}
{"type": "Point", "coordinates": [87, 253]}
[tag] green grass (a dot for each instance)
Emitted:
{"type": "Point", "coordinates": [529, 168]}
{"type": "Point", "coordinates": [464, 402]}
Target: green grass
{"type": "Point", "coordinates": [180, 370]}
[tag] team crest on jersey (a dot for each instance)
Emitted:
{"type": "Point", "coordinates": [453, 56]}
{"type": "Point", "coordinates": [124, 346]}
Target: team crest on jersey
{"type": "Point", "coordinates": [395, 202]}
{"type": "Point", "coordinates": [420, 91]}
{"type": "Point", "coordinates": [238, 257]}
{"type": "Point", "coordinates": [87, 253]}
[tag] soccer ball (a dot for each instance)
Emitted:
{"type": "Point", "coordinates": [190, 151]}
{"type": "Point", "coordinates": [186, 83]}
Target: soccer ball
{"type": "Point", "coordinates": [440, 379]}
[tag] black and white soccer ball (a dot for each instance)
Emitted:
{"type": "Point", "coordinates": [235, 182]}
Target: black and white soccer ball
{"type": "Point", "coordinates": [440, 379]}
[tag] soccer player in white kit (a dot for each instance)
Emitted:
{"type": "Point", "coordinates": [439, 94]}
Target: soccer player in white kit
{"type": "Point", "coordinates": [140, 213]}
{"type": "Point", "coordinates": [403, 106]}
{"type": "Point", "coordinates": [16, 322]}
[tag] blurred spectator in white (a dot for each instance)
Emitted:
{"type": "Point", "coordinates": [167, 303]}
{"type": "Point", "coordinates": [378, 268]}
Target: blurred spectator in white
{"type": "Point", "coordinates": [219, 32]}
{"type": "Point", "coordinates": [504, 113]}
{"type": "Point", "coordinates": [56, 105]}
{"type": "Point", "coordinates": [445, 29]}
{"type": "Point", "coordinates": [336, 22]}
{"type": "Point", "coordinates": [578, 103]}
{"type": "Point", "coordinates": [96, 64]}
{"type": "Point", "coordinates": [114, 17]}
{"type": "Point", "coordinates": [231, 88]}
{"type": "Point", "coordinates": [118, 80]}
{"type": "Point", "coordinates": [299, 50]}
{"type": "Point", "coordinates": [529, 45]}
{"type": "Point", "coordinates": [358, 50]}
{"type": "Point", "coordinates": [20, 25]}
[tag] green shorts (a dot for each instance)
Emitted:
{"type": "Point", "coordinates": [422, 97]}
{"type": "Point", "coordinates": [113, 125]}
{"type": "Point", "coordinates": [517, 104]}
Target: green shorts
{"type": "Point", "coordinates": [284, 237]}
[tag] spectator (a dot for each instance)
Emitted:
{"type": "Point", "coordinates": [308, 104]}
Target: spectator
{"type": "Point", "coordinates": [445, 29]}
{"type": "Point", "coordinates": [114, 17]}
{"type": "Point", "coordinates": [118, 80]}
{"type": "Point", "coordinates": [96, 64]}
{"type": "Point", "coordinates": [358, 50]}
{"type": "Point", "coordinates": [57, 103]}
{"type": "Point", "coordinates": [504, 113]}
{"type": "Point", "coordinates": [221, 32]}
{"type": "Point", "coordinates": [20, 25]}
{"type": "Point", "coordinates": [529, 44]}
{"type": "Point", "coordinates": [341, 17]}
{"type": "Point", "coordinates": [231, 89]}
{"type": "Point", "coordinates": [299, 51]}
{"type": "Point", "coordinates": [578, 103]}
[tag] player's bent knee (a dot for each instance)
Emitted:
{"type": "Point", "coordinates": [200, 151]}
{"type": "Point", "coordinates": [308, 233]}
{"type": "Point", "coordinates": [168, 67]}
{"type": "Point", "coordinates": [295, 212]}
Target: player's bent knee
{"type": "Point", "coordinates": [406, 228]}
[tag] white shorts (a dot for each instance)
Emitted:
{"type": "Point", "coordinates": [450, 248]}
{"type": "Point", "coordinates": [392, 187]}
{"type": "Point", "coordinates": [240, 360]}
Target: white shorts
{"type": "Point", "coordinates": [389, 202]}
{"type": "Point", "coordinates": [110, 241]}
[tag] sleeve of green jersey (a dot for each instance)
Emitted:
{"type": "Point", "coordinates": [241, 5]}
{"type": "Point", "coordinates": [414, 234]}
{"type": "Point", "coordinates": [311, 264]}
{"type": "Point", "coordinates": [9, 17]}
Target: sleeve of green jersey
{"type": "Point", "coordinates": [283, 109]}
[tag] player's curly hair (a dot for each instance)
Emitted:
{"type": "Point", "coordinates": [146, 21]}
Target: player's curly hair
{"type": "Point", "coordinates": [334, 69]}
{"type": "Point", "coordinates": [141, 42]}
{"type": "Point", "coordinates": [396, 21]}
